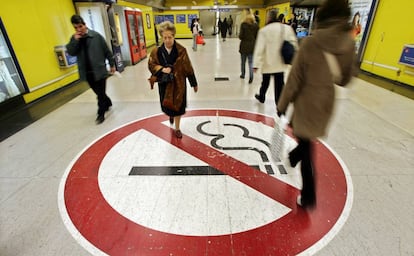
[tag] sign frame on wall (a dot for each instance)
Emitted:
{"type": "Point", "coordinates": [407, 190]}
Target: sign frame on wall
{"type": "Point", "coordinates": [180, 18]}
{"type": "Point", "coordinates": [407, 55]}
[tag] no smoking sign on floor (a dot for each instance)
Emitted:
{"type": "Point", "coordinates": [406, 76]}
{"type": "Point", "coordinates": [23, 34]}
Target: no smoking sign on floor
{"type": "Point", "coordinates": [138, 190]}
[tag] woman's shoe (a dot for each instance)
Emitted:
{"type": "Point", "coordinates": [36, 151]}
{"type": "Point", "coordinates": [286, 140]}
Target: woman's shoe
{"type": "Point", "coordinates": [250, 80]}
{"type": "Point", "coordinates": [241, 76]}
{"type": "Point", "coordinates": [178, 134]}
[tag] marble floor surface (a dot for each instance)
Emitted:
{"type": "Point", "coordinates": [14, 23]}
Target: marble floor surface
{"type": "Point", "coordinates": [372, 133]}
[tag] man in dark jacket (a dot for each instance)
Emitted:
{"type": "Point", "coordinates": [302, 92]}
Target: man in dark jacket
{"type": "Point", "coordinates": [92, 51]}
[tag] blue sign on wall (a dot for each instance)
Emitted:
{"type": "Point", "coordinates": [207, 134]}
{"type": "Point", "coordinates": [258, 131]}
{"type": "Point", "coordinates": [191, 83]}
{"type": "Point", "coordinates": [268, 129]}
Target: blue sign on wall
{"type": "Point", "coordinates": [407, 56]}
{"type": "Point", "coordinates": [180, 18]}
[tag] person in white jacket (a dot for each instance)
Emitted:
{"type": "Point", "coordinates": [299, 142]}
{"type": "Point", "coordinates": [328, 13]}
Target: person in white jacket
{"type": "Point", "coordinates": [267, 55]}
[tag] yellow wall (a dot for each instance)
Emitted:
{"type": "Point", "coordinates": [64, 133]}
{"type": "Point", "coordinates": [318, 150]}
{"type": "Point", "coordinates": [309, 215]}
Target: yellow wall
{"type": "Point", "coordinates": [283, 9]}
{"type": "Point", "coordinates": [34, 29]}
{"type": "Point", "coordinates": [387, 38]}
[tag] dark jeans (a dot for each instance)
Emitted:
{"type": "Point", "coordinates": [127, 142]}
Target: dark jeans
{"type": "Point", "coordinates": [249, 58]}
{"type": "Point", "coordinates": [99, 87]}
{"type": "Point", "coordinates": [303, 153]}
{"type": "Point", "coordinates": [279, 82]}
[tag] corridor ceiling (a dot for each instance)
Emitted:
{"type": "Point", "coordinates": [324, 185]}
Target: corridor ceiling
{"type": "Point", "coordinates": [161, 4]}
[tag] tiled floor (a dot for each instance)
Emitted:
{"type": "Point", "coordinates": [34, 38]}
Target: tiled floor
{"type": "Point", "coordinates": [52, 204]}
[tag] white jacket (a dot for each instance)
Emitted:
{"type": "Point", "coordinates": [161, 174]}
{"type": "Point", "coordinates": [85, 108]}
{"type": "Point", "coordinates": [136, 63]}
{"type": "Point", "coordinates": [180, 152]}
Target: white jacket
{"type": "Point", "coordinates": [267, 56]}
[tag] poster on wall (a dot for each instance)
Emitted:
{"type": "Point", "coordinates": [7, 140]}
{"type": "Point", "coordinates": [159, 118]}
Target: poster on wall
{"type": "Point", "coordinates": [303, 20]}
{"type": "Point", "coordinates": [162, 18]}
{"type": "Point", "coordinates": [361, 15]}
{"type": "Point", "coordinates": [11, 79]}
{"type": "Point", "coordinates": [180, 18]}
{"type": "Point", "coordinates": [93, 18]}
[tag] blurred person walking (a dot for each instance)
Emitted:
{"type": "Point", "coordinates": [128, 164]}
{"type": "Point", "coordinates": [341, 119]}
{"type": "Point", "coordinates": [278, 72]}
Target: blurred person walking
{"type": "Point", "coordinates": [223, 29]}
{"type": "Point", "coordinates": [310, 86]}
{"type": "Point", "coordinates": [92, 51]}
{"type": "Point", "coordinates": [267, 55]}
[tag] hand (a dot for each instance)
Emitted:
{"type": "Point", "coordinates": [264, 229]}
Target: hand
{"type": "Point", "coordinates": [255, 70]}
{"type": "Point", "coordinates": [279, 113]}
{"type": "Point", "coordinates": [112, 70]}
{"type": "Point", "coordinates": [166, 70]}
{"type": "Point", "coordinates": [77, 36]}
{"type": "Point", "coordinates": [195, 88]}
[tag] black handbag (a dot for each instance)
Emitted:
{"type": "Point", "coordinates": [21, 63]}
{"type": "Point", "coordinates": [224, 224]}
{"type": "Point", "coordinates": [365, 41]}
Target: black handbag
{"type": "Point", "coordinates": [287, 50]}
{"type": "Point", "coordinates": [166, 78]}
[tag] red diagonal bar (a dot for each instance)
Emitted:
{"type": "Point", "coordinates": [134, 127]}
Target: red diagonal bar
{"type": "Point", "coordinates": [260, 181]}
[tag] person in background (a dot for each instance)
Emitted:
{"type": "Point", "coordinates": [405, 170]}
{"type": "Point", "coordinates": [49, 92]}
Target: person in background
{"type": "Point", "coordinates": [92, 51]}
{"type": "Point", "coordinates": [195, 30]}
{"type": "Point", "coordinates": [247, 36]}
{"type": "Point", "coordinates": [223, 29]}
{"type": "Point", "coordinates": [293, 22]}
{"type": "Point", "coordinates": [171, 58]}
{"type": "Point", "coordinates": [230, 25]}
{"type": "Point", "coordinates": [310, 87]}
{"type": "Point", "coordinates": [200, 28]}
{"type": "Point", "coordinates": [156, 34]}
{"type": "Point", "coordinates": [257, 17]}
{"type": "Point", "coordinates": [267, 56]}
{"type": "Point", "coordinates": [281, 18]}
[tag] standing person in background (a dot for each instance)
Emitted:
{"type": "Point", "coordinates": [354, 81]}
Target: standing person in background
{"type": "Point", "coordinates": [281, 18]}
{"type": "Point", "coordinates": [92, 51]}
{"type": "Point", "coordinates": [267, 56]}
{"type": "Point", "coordinates": [156, 34]}
{"type": "Point", "coordinates": [247, 36]}
{"type": "Point", "coordinates": [310, 86]}
{"type": "Point", "coordinates": [293, 22]}
{"type": "Point", "coordinates": [223, 29]}
{"type": "Point", "coordinates": [171, 60]}
{"type": "Point", "coordinates": [257, 17]}
{"type": "Point", "coordinates": [230, 25]}
{"type": "Point", "coordinates": [194, 30]}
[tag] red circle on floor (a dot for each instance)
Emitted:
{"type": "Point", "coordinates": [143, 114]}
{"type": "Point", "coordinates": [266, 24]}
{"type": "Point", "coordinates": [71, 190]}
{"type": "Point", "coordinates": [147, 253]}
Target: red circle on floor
{"type": "Point", "coordinates": [296, 232]}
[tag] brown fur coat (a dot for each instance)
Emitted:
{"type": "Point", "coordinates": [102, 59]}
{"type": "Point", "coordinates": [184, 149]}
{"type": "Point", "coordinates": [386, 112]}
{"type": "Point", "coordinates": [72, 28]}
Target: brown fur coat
{"type": "Point", "coordinates": [175, 91]}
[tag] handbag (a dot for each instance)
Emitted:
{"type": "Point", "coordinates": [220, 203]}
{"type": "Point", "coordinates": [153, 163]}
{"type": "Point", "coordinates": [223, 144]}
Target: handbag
{"type": "Point", "coordinates": [287, 50]}
{"type": "Point", "coordinates": [166, 78]}
{"type": "Point", "coordinates": [200, 40]}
